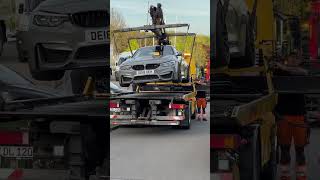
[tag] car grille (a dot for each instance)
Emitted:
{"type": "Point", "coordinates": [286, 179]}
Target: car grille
{"type": "Point", "coordinates": [138, 67]}
{"type": "Point", "coordinates": [100, 51]}
{"type": "Point", "coordinates": [152, 66]}
{"type": "Point", "coordinates": [91, 19]}
{"type": "Point", "coordinates": [148, 77]}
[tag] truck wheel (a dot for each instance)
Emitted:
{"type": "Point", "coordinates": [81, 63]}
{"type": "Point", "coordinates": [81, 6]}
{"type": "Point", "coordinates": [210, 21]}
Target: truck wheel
{"type": "Point", "coordinates": [250, 157]}
{"type": "Point", "coordinates": [122, 84]}
{"type": "Point", "coordinates": [270, 170]}
{"type": "Point", "coordinates": [193, 116]}
{"type": "Point", "coordinates": [185, 124]}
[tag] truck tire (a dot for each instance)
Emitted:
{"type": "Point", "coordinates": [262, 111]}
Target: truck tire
{"type": "Point", "coordinates": [185, 124]}
{"type": "Point", "coordinates": [270, 170]}
{"type": "Point", "coordinates": [250, 156]}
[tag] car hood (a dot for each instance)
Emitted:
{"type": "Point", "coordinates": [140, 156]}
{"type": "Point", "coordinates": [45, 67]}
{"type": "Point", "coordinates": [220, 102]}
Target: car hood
{"type": "Point", "coordinates": [148, 60]}
{"type": "Point", "coordinates": [72, 6]}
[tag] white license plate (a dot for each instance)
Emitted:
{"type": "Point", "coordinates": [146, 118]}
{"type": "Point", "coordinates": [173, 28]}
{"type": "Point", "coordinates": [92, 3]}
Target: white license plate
{"type": "Point", "coordinates": [16, 151]}
{"type": "Point", "coordinates": [97, 36]}
{"type": "Point", "coordinates": [115, 109]}
{"type": "Point", "coordinates": [145, 72]}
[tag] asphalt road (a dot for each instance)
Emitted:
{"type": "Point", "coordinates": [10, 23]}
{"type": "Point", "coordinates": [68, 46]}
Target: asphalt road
{"type": "Point", "coordinates": [161, 153]}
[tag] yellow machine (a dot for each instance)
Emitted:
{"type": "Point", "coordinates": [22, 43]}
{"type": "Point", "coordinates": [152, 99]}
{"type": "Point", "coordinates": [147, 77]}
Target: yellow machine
{"type": "Point", "coordinates": [192, 64]}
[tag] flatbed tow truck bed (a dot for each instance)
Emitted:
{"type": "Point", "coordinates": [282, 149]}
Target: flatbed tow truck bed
{"type": "Point", "coordinates": [168, 104]}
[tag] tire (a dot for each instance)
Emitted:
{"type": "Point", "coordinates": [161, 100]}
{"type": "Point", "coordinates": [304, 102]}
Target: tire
{"type": "Point", "coordinates": [270, 170]}
{"type": "Point", "coordinates": [193, 116]}
{"type": "Point", "coordinates": [251, 152]}
{"type": "Point", "coordinates": [185, 124]}
{"type": "Point", "coordinates": [122, 84]}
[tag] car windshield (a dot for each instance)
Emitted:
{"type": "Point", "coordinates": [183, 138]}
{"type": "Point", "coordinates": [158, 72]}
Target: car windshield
{"type": "Point", "coordinates": [121, 60]}
{"type": "Point", "coordinates": [150, 51]}
{"type": "Point", "coordinates": [8, 76]}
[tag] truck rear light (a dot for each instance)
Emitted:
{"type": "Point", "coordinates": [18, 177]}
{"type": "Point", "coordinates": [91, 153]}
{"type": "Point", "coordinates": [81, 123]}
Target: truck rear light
{"type": "Point", "coordinates": [224, 141]}
{"type": "Point", "coordinates": [114, 105]}
{"type": "Point", "coordinates": [14, 138]}
{"type": "Point", "coordinates": [176, 106]}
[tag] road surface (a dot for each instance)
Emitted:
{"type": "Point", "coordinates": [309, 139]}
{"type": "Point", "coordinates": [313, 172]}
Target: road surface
{"type": "Point", "coordinates": [161, 153]}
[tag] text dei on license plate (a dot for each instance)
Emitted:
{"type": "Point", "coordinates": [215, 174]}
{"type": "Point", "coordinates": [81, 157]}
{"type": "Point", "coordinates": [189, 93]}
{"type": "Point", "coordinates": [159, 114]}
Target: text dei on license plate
{"type": "Point", "coordinates": [145, 72]}
{"type": "Point", "coordinates": [97, 35]}
{"type": "Point", "coordinates": [16, 151]}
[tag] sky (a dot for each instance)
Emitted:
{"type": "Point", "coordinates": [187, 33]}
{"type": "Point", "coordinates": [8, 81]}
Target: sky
{"type": "Point", "coordinates": [194, 12]}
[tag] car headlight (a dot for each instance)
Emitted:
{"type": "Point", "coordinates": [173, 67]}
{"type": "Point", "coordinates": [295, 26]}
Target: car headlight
{"type": "Point", "coordinates": [168, 64]}
{"type": "Point", "coordinates": [49, 20]}
{"type": "Point", "coordinates": [125, 67]}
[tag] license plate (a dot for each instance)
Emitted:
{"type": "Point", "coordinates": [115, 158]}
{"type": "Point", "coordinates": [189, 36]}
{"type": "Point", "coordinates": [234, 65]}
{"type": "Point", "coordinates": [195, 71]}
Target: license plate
{"type": "Point", "coordinates": [16, 151]}
{"type": "Point", "coordinates": [115, 109]}
{"type": "Point", "coordinates": [97, 36]}
{"type": "Point", "coordinates": [145, 72]}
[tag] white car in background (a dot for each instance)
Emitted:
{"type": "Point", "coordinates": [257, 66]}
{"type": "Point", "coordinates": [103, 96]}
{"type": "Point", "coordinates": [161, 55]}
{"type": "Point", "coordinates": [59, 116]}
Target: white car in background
{"type": "Point", "coordinates": [122, 58]}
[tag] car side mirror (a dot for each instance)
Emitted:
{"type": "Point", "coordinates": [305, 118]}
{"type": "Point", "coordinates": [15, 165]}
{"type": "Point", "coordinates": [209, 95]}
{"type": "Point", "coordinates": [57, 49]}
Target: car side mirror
{"type": "Point", "coordinates": [179, 54]}
{"type": "Point", "coordinates": [21, 8]}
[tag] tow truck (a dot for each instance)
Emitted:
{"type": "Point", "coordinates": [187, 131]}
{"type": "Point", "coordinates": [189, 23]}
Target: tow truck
{"type": "Point", "coordinates": [157, 103]}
